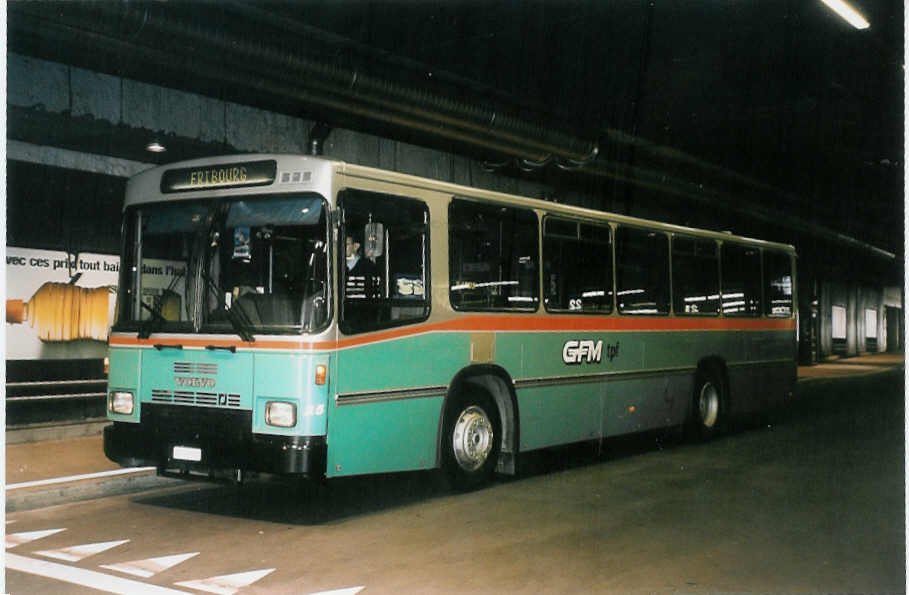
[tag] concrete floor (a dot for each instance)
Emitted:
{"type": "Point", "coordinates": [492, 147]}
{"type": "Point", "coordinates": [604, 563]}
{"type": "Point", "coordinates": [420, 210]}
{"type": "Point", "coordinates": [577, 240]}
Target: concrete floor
{"type": "Point", "coordinates": [811, 500]}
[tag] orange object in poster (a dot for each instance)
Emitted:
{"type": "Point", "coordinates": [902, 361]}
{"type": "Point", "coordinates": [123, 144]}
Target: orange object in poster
{"type": "Point", "coordinates": [63, 312]}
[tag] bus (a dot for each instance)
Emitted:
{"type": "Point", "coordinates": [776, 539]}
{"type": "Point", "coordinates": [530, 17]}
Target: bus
{"type": "Point", "coordinates": [297, 315]}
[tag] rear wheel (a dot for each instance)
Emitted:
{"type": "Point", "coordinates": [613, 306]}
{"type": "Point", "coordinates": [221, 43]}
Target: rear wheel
{"type": "Point", "coordinates": [709, 408]}
{"type": "Point", "coordinates": [471, 439]}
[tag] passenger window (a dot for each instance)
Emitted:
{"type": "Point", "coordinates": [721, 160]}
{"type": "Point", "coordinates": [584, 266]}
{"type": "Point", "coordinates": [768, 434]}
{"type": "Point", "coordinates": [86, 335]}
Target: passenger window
{"type": "Point", "coordinates": [493, 257]}
{"type": "Point", "coordinates": [741, 274]}
{"type": "Point", "coordinates": [384, 253]}
{"type": "Point", "coordinates": [695, 276]}
{"type": "Point", "coordinates": [777, 284]}
{"type": "Point", "coordinates": [577, 266]}
{"type": "Point", "coordinates": [642, 271]}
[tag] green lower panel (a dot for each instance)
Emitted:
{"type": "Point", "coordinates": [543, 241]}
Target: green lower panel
{"type": "Point", "coordinates": [424, 360]}
{"type": "Point", "coordinates": [638, 381]}
{"type": "Point", "coordinates": [558, 414]}
{"type": "Point", "coordinates": [641, 404]}
{"type": "Point", "coordinates": [384, 436]}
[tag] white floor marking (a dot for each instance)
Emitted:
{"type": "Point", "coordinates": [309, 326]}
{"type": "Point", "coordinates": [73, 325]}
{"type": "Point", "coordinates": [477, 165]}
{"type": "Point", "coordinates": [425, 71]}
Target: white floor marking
{"type": "Point", "coordinates": [86, 578]}
{"type": "Point", "coordinates": [347, 591]}
{"type": "Point", "coordinates": [99, 474]}
{"type": "Point", "coordinates": [15, 539]}
{"type": "Point", "coordinates": [78, 552]}
{"type": "Point", "coordinates": [226, 584]}
{"type": "Point", "coordinates": [151, 566]}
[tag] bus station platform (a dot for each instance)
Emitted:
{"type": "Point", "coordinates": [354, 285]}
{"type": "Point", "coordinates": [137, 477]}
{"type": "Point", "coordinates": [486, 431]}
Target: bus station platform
{"type": "Point", "coordinates": [43, 472]}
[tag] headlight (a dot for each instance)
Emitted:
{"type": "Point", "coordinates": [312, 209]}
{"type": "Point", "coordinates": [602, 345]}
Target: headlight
{"type": "Point", "coordinates": [120, 402]}
{"type": "Point", "coordinates": [281, 414]}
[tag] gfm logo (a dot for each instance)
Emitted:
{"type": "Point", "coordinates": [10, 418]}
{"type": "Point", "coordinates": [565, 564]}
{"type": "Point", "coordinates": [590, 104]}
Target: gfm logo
{"type": "Point", "coordinates": [590, 352]}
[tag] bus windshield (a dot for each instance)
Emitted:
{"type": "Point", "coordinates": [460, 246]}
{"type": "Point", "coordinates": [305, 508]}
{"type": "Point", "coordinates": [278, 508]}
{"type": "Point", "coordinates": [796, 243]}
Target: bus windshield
{"type": "Point", "coordinates": [240, 265]}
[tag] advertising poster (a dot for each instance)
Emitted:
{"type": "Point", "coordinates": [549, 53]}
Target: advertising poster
{"type": "Point", "coordinates": [61, 306]}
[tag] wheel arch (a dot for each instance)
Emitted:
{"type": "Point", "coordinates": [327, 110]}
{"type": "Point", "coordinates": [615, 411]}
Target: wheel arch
{"type": "Point", "coordinates": [498, 384]}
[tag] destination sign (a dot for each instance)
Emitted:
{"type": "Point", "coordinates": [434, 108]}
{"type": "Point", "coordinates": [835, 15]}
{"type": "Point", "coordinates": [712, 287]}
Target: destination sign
{"type": "Point", "coordinates": [230, 175]}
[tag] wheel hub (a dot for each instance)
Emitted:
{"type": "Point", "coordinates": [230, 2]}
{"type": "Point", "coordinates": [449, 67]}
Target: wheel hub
{"type": "Point", "coordinates": [472, 438]}
{"type": "Point", "coordinates": [709, 405]}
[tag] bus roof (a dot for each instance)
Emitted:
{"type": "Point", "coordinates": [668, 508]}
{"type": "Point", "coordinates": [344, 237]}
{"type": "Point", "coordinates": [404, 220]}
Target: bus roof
{"type": "Point", "coordinates": [359, 171]}
{"type": "Point", "coordinates": [291, 172]}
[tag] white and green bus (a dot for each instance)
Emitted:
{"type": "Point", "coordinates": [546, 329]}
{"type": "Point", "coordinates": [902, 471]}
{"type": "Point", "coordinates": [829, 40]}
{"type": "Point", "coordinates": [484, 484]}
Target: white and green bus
{"type": "Point", "coordinates": [328, 319]}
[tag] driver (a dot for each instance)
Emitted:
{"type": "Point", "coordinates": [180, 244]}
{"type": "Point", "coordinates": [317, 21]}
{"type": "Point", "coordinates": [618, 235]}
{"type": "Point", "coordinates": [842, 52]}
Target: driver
{"type": "Point", "coordinates": [360, 281]}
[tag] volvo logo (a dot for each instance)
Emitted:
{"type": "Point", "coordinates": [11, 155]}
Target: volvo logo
{"type": "Point", "coordinates": [194, 382]}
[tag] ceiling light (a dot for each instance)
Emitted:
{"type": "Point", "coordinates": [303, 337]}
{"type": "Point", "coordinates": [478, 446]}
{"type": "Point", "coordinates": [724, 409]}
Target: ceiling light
{"type": "Point", "coordinates": [155, 146]}
{"type": "Point", "coordinates": [849, 14]}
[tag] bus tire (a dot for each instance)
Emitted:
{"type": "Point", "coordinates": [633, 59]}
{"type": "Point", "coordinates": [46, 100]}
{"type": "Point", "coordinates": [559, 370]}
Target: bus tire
{"type": "Point", "coordinates": [708, 417]}
{"type": "Point", "coordinates": [471, 439]}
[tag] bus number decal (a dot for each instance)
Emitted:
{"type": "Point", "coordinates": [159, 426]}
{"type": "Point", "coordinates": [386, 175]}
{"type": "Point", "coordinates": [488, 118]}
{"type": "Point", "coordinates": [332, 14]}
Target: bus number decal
{"type": "Point", "coordinates": [590, 352]}
{"type": "Point", "coordinates": [313, 410]}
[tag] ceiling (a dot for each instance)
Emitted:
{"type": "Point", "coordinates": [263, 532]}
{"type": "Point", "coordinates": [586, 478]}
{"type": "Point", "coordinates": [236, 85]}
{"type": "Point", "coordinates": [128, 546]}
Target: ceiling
{"type": "Point", "coordinates": [773, 109]}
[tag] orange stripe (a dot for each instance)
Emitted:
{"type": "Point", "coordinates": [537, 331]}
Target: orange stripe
{"type": "Point", "coordinates": [490, 323]}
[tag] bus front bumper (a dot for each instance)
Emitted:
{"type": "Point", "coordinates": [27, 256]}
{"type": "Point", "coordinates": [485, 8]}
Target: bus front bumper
{"type": "Point", "coordinates": [219, 442]}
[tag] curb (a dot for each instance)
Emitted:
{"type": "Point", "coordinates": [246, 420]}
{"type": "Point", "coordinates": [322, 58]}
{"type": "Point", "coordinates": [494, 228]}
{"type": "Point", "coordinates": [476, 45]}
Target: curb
{"type": "Point", "coordinates": [40, 497]}
{"type": "Point", "coordinates": [52, 431]}
{"type": "Point", "coordinates": [864, 374]}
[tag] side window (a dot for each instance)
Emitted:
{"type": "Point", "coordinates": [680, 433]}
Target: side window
{"type": "Point", "coordinates": [384, 252]}
{"type": "Point", "coordinates": [493, 253]}
{"type": "Point", "coordinates": [642, 271]}
{"type": "Point", "coordinates": [695, 276]}
{"type": "Point", "coordinates": [577, 266]}
{"type": "Point", "coordinates": [741, 274]}
{"type": "Point", "coordinates": [777, 284]}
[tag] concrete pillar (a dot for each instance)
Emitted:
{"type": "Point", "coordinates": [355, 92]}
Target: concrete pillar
{"type": "Point", "coordinates": [825, 315]}
{"type": "Point", "coordinates": [852, 320]}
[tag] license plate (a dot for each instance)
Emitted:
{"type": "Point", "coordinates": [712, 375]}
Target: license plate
{"type": "Point", "coordinates": [187, 453]}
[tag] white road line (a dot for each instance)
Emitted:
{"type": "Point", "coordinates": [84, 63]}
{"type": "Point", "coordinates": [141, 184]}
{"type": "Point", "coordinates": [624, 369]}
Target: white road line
{"type": "Point", "coordinates": [99, 474]}
{"type": "Point", "coordinates": [85, 578]}
{"type": "Point", "coordinates": [79, 552]}
{"type": "Point", "coordinates": [227, 584]}
{"type": "Point", "coordinates": [150, 566]}
{"type": "Point", "coordinates": [14, 539]}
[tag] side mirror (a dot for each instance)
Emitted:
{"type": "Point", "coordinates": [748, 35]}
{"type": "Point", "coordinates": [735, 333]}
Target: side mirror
{"type": "Point", "coordinates": [373, 240]}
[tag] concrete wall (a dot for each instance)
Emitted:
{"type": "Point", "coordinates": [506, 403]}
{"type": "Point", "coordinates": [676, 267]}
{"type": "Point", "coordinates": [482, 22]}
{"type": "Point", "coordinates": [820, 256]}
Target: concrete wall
{"type": "Point", "coordinates": [58, 88]}
{"type": "Point", "coordinates": [856, 299]}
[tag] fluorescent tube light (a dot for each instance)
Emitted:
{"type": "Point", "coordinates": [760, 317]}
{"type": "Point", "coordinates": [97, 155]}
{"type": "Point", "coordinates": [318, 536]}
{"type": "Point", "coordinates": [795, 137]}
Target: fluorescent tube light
{"type": "Point", "coordinates": [849, 14]}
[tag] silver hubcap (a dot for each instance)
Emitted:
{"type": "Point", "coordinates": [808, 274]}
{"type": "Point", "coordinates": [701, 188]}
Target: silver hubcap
{"type": "Point", "coordinates": [709, 405]}
{"type": "Point", "coordinates": [472, 438]}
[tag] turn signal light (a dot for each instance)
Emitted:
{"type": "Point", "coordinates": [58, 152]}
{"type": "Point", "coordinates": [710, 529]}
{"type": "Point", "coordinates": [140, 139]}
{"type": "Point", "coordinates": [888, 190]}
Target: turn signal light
{"type": "Point", "coordinates": [321, 374]}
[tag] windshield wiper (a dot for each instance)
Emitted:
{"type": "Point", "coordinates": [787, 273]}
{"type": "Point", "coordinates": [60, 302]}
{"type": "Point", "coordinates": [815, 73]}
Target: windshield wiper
{"type": "Point", "coordinates": [236, 316]}
{"type": "Point", "coordinates": [152, 324]}
{"type": "Point", "coordinates": [163, 346]}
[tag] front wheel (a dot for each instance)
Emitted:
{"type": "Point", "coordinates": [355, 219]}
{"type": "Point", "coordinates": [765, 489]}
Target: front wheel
{"type": "Point", "coordinates": [470, 441]}
{"type": "Point", "coordinates": [709, 406]}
